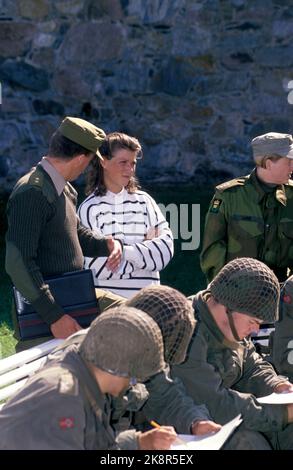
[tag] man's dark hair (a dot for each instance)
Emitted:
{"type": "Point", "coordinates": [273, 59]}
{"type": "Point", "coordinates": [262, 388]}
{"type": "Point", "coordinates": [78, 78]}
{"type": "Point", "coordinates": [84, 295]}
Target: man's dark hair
{"type": "Point", "coordinates": [61, 147]}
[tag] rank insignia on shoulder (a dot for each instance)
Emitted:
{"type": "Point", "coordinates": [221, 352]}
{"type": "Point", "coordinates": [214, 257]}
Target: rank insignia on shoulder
{"type": "Point", "coordinates": [216, 205]}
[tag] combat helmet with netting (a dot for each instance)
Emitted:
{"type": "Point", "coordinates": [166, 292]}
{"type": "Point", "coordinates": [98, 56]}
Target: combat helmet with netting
{"type": "Point", "coordinates": [125, 341]}
{"type": "Point", "coordinates": [248, 286]}
{"type": "Point", "coordinates": [174, 314]}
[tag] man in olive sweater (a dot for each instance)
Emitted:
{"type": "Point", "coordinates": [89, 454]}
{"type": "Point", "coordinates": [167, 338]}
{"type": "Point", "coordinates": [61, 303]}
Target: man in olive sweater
{"type": "Point", "coordinates": [45, 237]}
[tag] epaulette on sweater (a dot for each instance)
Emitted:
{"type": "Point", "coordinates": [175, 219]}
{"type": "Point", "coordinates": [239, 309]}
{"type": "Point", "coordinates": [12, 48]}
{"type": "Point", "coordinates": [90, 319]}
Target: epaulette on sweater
{"type": "Point", "coordinates": [231, 184]}
{"type": "Point", "coordinates": [39, 180]}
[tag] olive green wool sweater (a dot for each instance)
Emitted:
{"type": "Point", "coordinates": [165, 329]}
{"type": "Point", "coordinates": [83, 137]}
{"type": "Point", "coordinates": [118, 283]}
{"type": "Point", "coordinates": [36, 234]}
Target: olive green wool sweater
{"type": "Point", "coordinates": [45, 238]}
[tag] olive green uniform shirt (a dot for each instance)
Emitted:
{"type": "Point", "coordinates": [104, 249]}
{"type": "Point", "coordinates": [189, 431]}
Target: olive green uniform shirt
{"type": "Point", "coordinates": [245, 220]}
{"type": "Point", "coordinates": [60, 408]}
{"type": "Point", "coordinates": [160, 398]}
{"type": "Point", "coordinates": [228, 376]}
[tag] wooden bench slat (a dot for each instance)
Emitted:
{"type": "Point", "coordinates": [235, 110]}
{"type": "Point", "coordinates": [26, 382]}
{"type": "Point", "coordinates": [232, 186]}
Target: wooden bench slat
{"type": "Point", "coordinates": [21, 372]}
{"type": "Point", "coordinates": [24, 357]}
{"type": "Point", "coordinates": [7, 392]}
{"type": "Point", "coordinates": [16, 369]}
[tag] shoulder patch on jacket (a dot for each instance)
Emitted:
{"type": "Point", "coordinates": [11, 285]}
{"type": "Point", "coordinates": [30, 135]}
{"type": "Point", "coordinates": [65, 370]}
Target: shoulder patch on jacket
{"type": "Point", "coordinates": [230, 184]}
{"type": "Point", "coordinates": [215, 205]}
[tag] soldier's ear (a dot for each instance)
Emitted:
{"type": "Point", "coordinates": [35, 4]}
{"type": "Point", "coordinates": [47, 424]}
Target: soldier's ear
{"type": "Point", "coordinates": [267, 164]}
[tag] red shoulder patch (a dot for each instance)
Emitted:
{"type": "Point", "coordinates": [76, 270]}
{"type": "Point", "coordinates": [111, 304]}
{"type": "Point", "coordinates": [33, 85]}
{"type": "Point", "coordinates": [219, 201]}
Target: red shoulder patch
{"type": "Point", "coordinates": [66, 423]}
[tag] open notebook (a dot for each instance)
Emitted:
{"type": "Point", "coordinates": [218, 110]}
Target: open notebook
{"type": "Point", "coordinates": [207, 441]}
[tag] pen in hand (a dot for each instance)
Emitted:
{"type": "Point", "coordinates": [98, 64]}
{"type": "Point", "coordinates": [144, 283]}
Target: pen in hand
{"type": "Point", "coordinates": [178, 440]}
{"type": "Point", "coordinates": [154, 424]}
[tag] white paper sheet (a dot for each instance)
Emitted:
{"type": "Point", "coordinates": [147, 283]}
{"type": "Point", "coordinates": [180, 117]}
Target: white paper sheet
{"type": "Point", "coordinates": [207, 441]}
{"type": "Point", "coordinates": [277, 399]}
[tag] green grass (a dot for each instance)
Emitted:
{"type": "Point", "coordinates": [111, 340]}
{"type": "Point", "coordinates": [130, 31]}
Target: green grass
{"type": "Point", "coordinates": [183, 272]}
{"type": "Point", "coordinates": [7, 342]}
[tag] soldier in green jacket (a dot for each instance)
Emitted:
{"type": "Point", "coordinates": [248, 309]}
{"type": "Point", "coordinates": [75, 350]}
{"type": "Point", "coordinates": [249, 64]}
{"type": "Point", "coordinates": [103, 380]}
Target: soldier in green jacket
{"type": "Point", "coordinates": [160, 397]}
{"type": "Point", "coordinates": [282, 343]}
{"type": "Point", "coordinates": [253, 215]}
{"type": "Point", "coordinates": [223, 369]}
{"type": "Point", "coordinates": [67, 404]}
{"type": "Point", "coordinates": [168, 402]}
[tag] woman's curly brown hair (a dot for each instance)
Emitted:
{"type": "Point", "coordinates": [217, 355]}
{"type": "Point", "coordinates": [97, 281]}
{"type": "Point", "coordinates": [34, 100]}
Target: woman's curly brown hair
{"type": "Point", "coordinates": [113, 142]}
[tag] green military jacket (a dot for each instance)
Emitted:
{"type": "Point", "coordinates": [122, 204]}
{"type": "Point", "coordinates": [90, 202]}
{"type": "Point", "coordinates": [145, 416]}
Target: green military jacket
{"type": "Point", "coordinates": [160, 398]}
{"type": "Point", "coordinates": [61, 407]}
{"type": "Point", "coordinates": [228, 376]}
{"type": "Point", "coordinates": [171, 405]}
{"type": "Point", "coordinates": [245, 220]}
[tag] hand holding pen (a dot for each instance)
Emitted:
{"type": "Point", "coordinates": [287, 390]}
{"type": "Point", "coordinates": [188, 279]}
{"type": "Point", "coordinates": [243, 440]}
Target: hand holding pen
{"type": "Point", "coordinates": [159, 438]}
{"type": "Point", "coordinates": [178, 440]}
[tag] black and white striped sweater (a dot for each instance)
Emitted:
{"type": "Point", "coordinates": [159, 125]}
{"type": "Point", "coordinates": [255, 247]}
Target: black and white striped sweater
{"type": "Point", "coordinates": [137, 220]}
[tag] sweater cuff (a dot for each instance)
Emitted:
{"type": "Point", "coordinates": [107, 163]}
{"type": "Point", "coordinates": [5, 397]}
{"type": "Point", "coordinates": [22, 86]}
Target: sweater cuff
{"type": "Point", "coordinates": [48, 311]}
{"type": "Point", "coordinates": [100, 247]}
{"type": "Point", "coordinates": [129, 253]}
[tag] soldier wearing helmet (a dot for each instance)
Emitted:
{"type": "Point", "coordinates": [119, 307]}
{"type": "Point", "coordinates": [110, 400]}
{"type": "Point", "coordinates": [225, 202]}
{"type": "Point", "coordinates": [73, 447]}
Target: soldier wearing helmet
{"type": "Point", "coordinates": [223, 369]}
{"type": "Point", "coordinates": [66, 405]}
{"type": "Point", "coordinates": [167, 402]}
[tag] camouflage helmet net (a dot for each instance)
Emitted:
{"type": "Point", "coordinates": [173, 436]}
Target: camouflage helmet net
{"type": "Point", "coordinates": [126, 342]}
{"type": "Point", "coordinates": [174, 315]}
{"type": "Point", "coordinates": [248, 286]}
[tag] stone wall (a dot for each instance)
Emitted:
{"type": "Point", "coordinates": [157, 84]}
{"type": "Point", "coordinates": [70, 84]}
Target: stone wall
{"type": "Point", "coordinates": [194, 80]}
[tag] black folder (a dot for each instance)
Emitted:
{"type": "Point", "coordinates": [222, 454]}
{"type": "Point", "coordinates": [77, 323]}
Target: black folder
{"type": "Point", "coordinates": [73, 291]}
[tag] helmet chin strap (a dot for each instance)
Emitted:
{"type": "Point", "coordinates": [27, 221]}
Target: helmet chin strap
{"type": "Point", "coordinates": [232, 324]}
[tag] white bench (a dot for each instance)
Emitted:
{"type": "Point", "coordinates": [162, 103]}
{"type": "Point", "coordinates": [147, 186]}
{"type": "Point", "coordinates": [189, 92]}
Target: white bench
{"type": "Point", "coordinates": [15, 370]}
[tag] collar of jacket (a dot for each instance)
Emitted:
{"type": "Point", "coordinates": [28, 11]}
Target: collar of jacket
{"type": "Point", "coordinates": [69, 350]}
{"type": "Point", "coordinates": [201, 309]}
{"type": "Point", "coordinates": [57, 179]}
{"type": "Point", "coordinates": [90, 382]}
{"type": "Point", "coordinates": [259, 193]}
{"type": "Point", "coordinates": [100, 403]}
{"type": "Point", "coordinates": [71, 359]}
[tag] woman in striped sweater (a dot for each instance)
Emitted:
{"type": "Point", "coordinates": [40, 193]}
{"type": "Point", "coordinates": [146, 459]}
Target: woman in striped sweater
{"type": "Point", "coordinates": [115, 206]}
